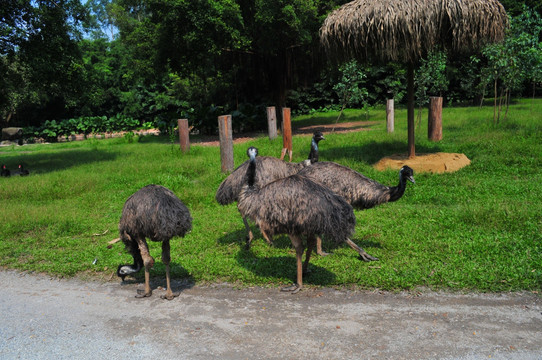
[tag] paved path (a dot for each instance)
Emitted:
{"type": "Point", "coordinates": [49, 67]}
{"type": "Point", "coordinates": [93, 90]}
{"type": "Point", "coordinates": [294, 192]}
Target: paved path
{"type": "Point", "coordinates": [46, 318]}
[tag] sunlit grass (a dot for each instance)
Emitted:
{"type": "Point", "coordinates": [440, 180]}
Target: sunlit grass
{"type": "Point", "coordinates": [479, 228]}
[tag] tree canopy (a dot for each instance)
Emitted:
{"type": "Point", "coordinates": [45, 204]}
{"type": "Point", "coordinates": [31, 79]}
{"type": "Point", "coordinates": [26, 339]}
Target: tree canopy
{"type": "Point", "coordinates": [159, 60]}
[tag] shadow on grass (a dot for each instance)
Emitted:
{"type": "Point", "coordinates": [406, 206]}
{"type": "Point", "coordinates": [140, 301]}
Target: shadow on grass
{"type": "Point", "coordinates": [239, 237]}
{"type": "Point", "coordinates": [372, 152]}
{"type": "Point", "coordinates": [283, 266]}
{"type": "Point", "coordinates": [59, 159]}
{"type": "Point", "coordinates": [330, 246]}
{"type": "Point", "coordinates": [330, 118]}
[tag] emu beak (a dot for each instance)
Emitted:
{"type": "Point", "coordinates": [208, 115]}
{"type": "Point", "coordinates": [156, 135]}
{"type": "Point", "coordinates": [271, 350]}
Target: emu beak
{"type": "Point", "coordinates": [411, 179]}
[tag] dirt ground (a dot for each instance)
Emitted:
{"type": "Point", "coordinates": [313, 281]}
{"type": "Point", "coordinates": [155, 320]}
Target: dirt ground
{"type": "Point", "coordinates": [49, 318]}
{"type": "Point", "coordinates": [434, 163]}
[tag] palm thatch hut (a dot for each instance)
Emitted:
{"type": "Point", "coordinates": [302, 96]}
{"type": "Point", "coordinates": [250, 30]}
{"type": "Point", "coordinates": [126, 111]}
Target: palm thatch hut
{"type": "Point", "coordinates": [406, 30]}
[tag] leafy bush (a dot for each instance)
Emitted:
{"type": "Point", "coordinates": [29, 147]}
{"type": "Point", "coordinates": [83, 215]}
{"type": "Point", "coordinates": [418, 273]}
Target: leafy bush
{"type": "Point", "coordinates": [50, 130]}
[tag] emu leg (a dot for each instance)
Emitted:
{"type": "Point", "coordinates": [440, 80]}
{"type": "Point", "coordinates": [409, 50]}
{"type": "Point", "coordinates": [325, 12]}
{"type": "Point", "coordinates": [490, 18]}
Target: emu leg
{"type": "Point", "coordinates": [267, 237]}
{"type": "Point", "coordinates": [298, 245]}
{"type": "Point", "coordinates": [249, 236]}
{"type": "Point", "coordinates": [319, 250]}
{"type": "Point", "coordinates": [364, 256]}
{"type": "Point", "coordinates": [311, 242]}
{"type": "Point", "coordinates": [166, 259]}
{"type": "Point", "coordinates": [148, 261]}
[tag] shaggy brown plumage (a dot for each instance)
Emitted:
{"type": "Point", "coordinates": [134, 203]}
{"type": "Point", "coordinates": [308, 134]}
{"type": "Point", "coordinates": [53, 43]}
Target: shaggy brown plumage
{"type": "Point", "coordinates": [358, 190]}
{"type": "Point", "coordinates": [268, 169]}
{"type": "Point", "coordinates": [298, 207]}
{"type": "Point", "coordinates": [152, 212]}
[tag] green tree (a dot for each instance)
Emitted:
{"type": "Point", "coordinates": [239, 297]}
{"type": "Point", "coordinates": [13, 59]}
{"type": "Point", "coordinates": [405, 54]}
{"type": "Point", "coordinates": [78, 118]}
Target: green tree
{"type": "Point", "coordinates": [516, 60]}
{"type": "Point", "coordinates": [430, 78]}
{"type": "Point", "coordinates": [39, 47]}
{"type": "Point", "coordinates": [350, 88]}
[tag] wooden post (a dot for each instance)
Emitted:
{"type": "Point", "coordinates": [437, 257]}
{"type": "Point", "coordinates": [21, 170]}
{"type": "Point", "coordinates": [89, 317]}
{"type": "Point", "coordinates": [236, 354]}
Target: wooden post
{"type": "Point", "coordinates": [286, 133]}
{"type": "Point", "coordinates": [434, 121]}
{"type": "Point", "coordinates": [390, 116]}
{"type": "Point", "coordinates": [184, 135]}
{"type": "Point", "coordinates": [226, 143]}
{"type": "Point", "coordinates": [272, 122]}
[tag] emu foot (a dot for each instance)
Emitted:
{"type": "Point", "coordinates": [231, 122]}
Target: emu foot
{"type": "Point", "coordinates": [322, 253]}
{"type": "Point", "coordinates": [170, 295]}
{"type": "Point", "coordinates": [248, 241]}
{"type": "Point", "coordinates": [367, 257]}
{"type": "Point", "coordinates": [293, 289]}
{"type": "Point", "coordinates": [143, 294]}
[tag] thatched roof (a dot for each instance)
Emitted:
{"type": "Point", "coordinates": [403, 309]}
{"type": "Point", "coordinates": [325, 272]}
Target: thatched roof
{"type": "Point", "coordinates": [405, 30]}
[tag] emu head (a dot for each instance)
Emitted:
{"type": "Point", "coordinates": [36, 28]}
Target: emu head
{"type": "Point", "coordinates": [252, 152]}
{"type": "Point", "coordinates": [407, 173]}
{"type": "Point", "coordinates": [125, 270]}
{"type": "Point", "coordinates": [317, 136]}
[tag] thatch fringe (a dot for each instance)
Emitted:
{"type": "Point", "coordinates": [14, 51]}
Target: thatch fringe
{"type": "Point", "coordinates": [405, 30]}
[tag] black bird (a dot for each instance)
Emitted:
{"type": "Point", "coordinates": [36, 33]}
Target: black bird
{"type": "Point", "coordinates": [5, 171]}
{"type": "Point", "coordinates": [22, 171]}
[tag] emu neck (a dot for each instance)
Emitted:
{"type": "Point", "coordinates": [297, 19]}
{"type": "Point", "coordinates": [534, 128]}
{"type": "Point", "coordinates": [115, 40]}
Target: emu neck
{"type": "Point", "coordinates": [313, 154]}
{"type": "Point", "coordinates": [396, 192]}
{"type": "Point", "coordinates": [251, 172]}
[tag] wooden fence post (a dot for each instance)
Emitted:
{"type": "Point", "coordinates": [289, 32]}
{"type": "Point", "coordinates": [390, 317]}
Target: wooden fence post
{"type": "Point", "coordinates": [272, 122]}
{"type": "Point", "coordinates": [184, 134]}
{"type": "Point", "coordinates": [390, 116]}
{"type": "Point", "coordinates": [286, 134]}
{"type": "Point", "coordinates": [226, 143]}
{"type": "Point", "coordinates": [434, 121]}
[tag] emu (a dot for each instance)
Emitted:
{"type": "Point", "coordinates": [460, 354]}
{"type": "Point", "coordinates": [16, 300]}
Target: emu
{"type": "Point", "coordinates": [152, 212]}
{"type": "Point", "coordinates": [358, 190]}
{"type": "Point", "coordinates": [268, 169]}
{"type": "Point", "coordinates": [296, 206]}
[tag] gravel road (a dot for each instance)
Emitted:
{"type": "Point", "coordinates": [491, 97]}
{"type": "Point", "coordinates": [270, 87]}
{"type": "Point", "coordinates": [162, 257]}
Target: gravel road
{"type": "Point", "coordinates": [47, 318]}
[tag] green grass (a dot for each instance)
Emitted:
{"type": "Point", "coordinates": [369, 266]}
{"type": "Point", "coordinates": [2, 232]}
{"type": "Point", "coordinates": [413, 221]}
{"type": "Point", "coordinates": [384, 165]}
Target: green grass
{"type": "Point", "coordinates": [477, 229]}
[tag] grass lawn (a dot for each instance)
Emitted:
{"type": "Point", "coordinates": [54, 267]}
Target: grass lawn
{"type": "Point", "coordinates": [477, 229]}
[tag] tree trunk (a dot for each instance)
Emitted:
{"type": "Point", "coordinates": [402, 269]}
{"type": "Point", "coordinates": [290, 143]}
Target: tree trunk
{"type": "Point", "coordinates": [495, 103]}
{"type": "Point", "coordinates": [410, 111]}
{"type": "Point", "coordinates": [434, 119]}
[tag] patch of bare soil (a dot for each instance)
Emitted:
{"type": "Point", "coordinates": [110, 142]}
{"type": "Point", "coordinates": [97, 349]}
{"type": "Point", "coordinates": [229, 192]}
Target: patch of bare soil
{"type": "Point", "coordinates": [213, 142]}
{"type": "Point", "coordinates": [339, 128]}
{"type": "Point", "coordinates": [302, 131]}
{"type": "Point", "coordinates": [434, 163]}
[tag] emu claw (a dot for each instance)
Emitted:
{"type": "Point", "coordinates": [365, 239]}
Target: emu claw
{"type": "Point", "coordinates": [293, 289]}
{"type": "Point", "coordinates": [322, 253]}
{"type": "Point", "coordinates": [143, 294]}
{"type": "Point", "coordinates": [367, 257]}
{"type": "Point", "coordinates": [170, 296]}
